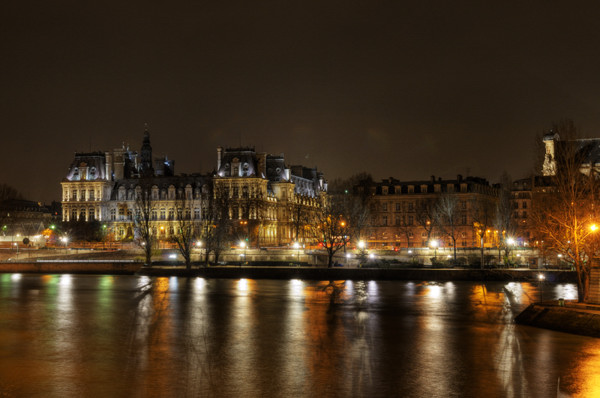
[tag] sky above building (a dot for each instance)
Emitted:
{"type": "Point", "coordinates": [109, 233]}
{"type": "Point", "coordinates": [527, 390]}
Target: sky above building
{"type": "Point", "coordinates": [398, 89]}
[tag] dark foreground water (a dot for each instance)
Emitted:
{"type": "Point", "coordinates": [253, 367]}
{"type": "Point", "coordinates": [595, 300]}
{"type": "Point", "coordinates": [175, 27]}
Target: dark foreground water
{"type": "Point", "coordinates": [128, 336]}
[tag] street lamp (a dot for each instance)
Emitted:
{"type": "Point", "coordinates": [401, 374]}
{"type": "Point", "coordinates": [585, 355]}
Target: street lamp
{"type": "Point", "coordinates": [541, 278]}
{"type": "Point", "coordinates": [297, 247]}
{"type": "Point", "coordinates": [199, 246]}
{"type": "Point", "coordinates": [65, 240]}
{"type": "Point", "coordinates": [243, 255]}
{"type": "Point", "coordinates": [434, 244]}
{"type": "Point", "coordinates": [511, 243]}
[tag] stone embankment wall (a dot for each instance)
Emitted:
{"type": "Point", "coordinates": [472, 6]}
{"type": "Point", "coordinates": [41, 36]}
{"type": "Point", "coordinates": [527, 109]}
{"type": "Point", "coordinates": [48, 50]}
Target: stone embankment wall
{"type": "Point", "coordinates": [313, 273]}
{"type": "Point", "coordinates": [72, 267]}
{"type": "Point", "coordinates": [562, 319]}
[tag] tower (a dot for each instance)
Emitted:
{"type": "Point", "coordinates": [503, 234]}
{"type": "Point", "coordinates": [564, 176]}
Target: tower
{"type": "Point", "coordinates": [146, 169]}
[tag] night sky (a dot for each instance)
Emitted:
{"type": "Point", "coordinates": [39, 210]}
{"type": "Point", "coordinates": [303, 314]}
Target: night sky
{"type": "Point", "coordinates": [402, 89]}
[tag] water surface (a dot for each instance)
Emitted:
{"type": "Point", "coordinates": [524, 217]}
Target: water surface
{"type": "Point", "coordinates": [129, 336]}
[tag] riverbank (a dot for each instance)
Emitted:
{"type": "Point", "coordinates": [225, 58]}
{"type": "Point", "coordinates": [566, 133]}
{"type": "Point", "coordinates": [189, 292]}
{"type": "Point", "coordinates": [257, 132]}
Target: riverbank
{"type": "Point", "coordinates": [573, 317]}
{"type": "Point", "coordinates": [312, 273]}
{"type": "Point", "coordinates": [285, 272]}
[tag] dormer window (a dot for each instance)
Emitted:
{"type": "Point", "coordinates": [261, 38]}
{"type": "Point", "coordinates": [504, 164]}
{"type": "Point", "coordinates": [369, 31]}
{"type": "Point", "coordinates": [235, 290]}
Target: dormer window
{"type": "Point", "coordinates": [76, 174]}
{"type": "Point", "coordinates": [93, 173]}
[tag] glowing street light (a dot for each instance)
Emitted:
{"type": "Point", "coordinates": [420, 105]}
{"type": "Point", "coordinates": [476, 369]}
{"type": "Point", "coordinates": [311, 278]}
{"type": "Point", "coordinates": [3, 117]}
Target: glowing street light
{"type": "Point", "coordinates": [541, 278]}
{"type": "Point", "coordinates": [243, 255]}
{"type": "Point", "coordinates": [434, 244]}
{"type": "Point", "coordinates": [65, 240]}
{"type": "Point", "coordinates": [297, 247]}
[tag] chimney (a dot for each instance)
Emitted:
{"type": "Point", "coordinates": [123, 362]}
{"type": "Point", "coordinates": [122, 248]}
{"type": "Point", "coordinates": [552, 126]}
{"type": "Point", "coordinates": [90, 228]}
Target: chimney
{"type": "Point", "coordinates": [219, 156]}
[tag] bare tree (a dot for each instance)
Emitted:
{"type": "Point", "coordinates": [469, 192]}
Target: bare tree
{"type": "Point", "coordinates": [448, 217]}
{"type": "Point", "coordinates": [505, 222]}
{"type": "Point", "coordinates": [8, 194]}
{"type": "Point", "coordinates": [331, 227]}
{"type": "Point", "coordinates": [145, 209]}
{"type": "Point", "coordinates": [425, 215]}
{"type": "Point", "coordinates": [216, 224]}
{"type": "Point", "coordinates": [405, 227]}
{"type": "Point", "coordinates": [301, 216]}
{"type": "Point", "coordinates": [484, 215]}
{"type": "Point", "coordinates": [187, 226]}
{"type": "Point", "coordinates": [564, 212]}
{"type": "Point", "coordinates": [353, 196]}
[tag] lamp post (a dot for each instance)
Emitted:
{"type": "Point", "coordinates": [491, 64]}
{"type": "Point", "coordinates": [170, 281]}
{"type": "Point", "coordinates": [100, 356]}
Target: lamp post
{"type": "Point", "coordinates": [297, 247]}
{"type": "Point", "coordinates": [65, 240]}
{"type": "Point", "coordinates": [362, 250]}
{"type": "Point", "coordinates": [434, 244]}
{"type": "Point", "coordinates": [541, 278]}
{"type": "Point", "coordinates": [511, 243]}
{"type": "Point", "coordinates": [243, 255]}
{"type": "Point", "coordinates": [199, 245]}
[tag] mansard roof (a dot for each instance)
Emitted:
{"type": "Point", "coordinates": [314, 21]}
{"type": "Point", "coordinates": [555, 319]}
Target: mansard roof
{"type": "Point", "coordinates": [93, 162]}
{"type": "Point", "coordinates": [243, 157]}
{"type": "Point", "coordinates": [428, 186]}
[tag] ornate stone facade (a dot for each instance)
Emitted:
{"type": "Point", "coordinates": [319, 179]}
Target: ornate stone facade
{"type": "Point", "coordinates": [267, 202]}
{"type": "Point", "coordinates": [403, 213]}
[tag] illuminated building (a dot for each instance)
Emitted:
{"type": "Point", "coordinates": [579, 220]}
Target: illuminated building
{"type": "Point", "coordinates": [267, 202]}
{"type": "Point", "coordinates": [403, 213]}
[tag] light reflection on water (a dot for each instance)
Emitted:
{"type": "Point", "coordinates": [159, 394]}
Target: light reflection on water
{"type": "Point", "coordinates": [140, 336]}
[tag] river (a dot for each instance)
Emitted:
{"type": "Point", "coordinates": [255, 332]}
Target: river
{"type": "Point", "coordinates": [134, 336]}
